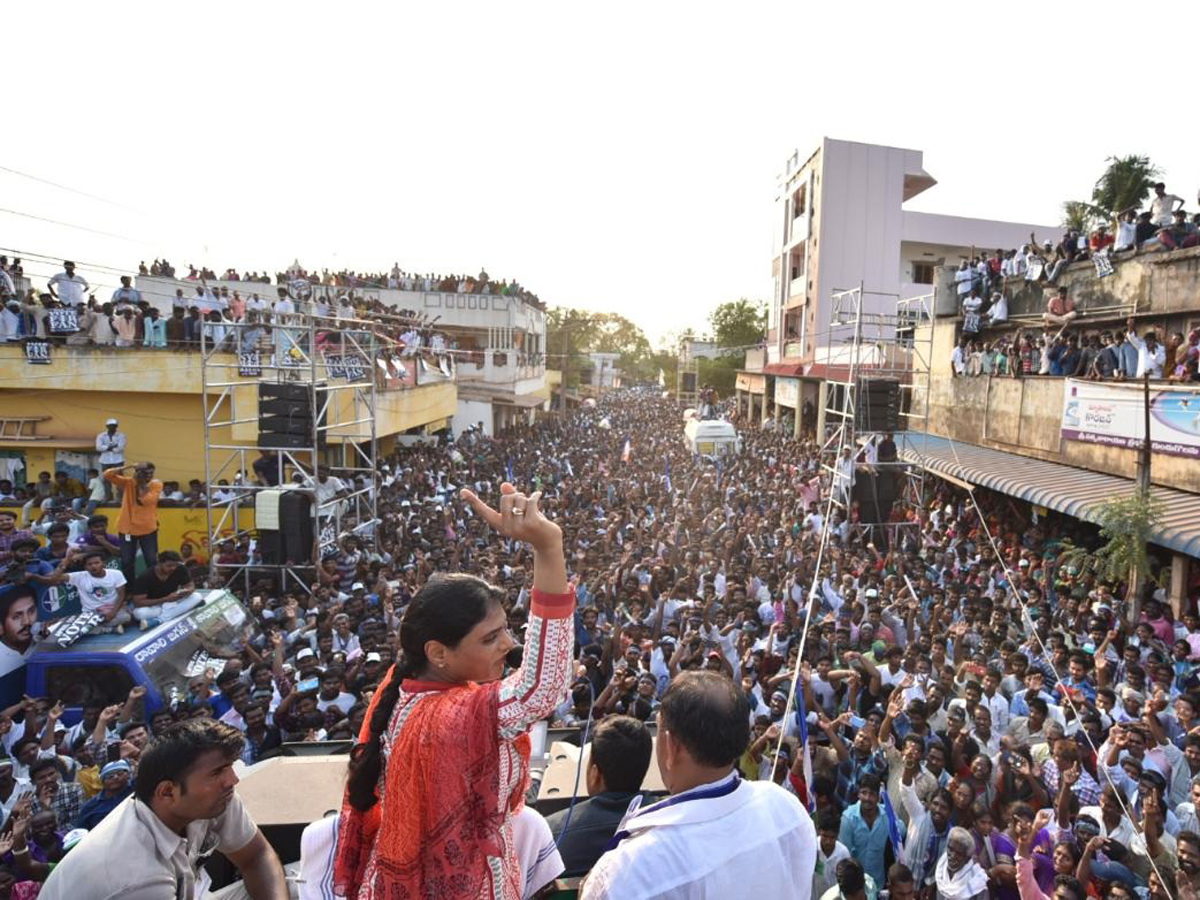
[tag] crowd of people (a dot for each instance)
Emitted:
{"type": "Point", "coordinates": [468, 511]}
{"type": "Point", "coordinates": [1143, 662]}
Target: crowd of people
{"type": "Point", "coordinates": [394, 279]}
{"type": "Point", "coordinates": [961, 713]}
{"type": "Point", "coordinates": [1104, 355]}
{"type": "Point", "coordinates": [1061, 347]}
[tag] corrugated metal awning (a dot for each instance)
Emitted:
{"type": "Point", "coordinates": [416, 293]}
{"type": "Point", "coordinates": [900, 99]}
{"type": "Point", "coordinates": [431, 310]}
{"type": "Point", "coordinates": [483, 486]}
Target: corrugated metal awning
{"type": "Point", "coordinates": [1066, 489]}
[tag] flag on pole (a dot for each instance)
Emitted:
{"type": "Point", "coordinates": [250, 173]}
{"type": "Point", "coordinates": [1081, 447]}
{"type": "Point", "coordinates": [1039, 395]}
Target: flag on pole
{"type": "Point", "coordinates": [627, 451]}
{"type": "Point", "coordinates": [667, 472]}
{"type": "Point", "coordinates": [893, 823]}
{"type": "Point", "coordinates": [720, 472]}
{"type": "Point", "coordinates": [662, 378]}
{"type": "Point", "coordinates": [803, 785]}
{"type": "Point", "coordinates": [570, 471]}
{"type": "Point", "coordinates": [508, 471]}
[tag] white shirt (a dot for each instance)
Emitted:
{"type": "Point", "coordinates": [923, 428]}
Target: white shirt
{"type": "Point", "coordinates": [94, 592]}
{"type": "Point", "coordinates": [755, 841]}
{"type": "Point", "coordinates": [111, 448]}
{"type": "Point", "coordinates": [71, 288]}
{"type": "Point", "coordinates": [1126, 235]}
{"type": "Point", "coordinates": [958, 359]}
{"type": "Point", "coordinates": [825, 876]}
{"type": "Point", "coordinates": [999, 310]}
{"type": "Point", "coordinates": [1147, 360]}
{"type": "Point", "coordinates": [1161, 209]}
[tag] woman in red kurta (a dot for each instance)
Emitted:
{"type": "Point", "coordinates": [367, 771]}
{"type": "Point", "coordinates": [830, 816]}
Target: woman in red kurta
{"type": "Point", "coordinates": [442, 761]}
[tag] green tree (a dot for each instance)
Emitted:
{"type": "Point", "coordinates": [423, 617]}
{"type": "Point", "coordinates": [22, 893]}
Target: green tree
{"type": "Point", "coordinates": [1125, 184]}
{"type": "Point", "coordinates": [592, 332]}
{"type": "Point", "coordinates": [1127, 525]}
{"type": "Point", "coordinates": [1078, 215]}
{"type": "Point", "coordinates": [739, 323]}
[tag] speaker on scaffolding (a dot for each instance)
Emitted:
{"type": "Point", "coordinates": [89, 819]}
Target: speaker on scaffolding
{"type": "Point", "coordinates": [875, 493]}
{"type": "Point", "coordinates": [878, 406]}
{"type": "Point", "coordinates": [285, 416]}
{"type": "Point", "coordinates": [283, 521]}
{"type": "Point", "coordinates": [689, 382]}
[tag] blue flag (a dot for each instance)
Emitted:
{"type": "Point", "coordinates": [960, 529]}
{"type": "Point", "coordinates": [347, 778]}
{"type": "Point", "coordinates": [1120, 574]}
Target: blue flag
{"type": "Point", "coordinates": [893, 823]}
{"type": "Point", "coordinates": [667, 472]}
{"type": "Point", "coordinates": [508, 471]}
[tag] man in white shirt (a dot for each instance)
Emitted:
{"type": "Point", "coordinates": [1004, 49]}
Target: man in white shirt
{"type": "Point", "coordinates": [717, 835]}
{"type": "Point", "coordinates": [110, 444]}
{"type": "Point", "coordinates": [1163, 206]}
{"type": "Point", "coordinates": [1151, 355]}
{"type": "Point", "coordinates": [958, 358]}
{"type": "Point", "coordinates": [101, 590]}
{"type": "Point", "coordinates": [71, 287]}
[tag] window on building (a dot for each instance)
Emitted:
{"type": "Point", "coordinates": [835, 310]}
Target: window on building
{"type": "Point", "coordinates": [798, 264]}
{"type": "Point", "coordinates": [922, 273]}
{"type": "Point", "coordinates": [800, 201]}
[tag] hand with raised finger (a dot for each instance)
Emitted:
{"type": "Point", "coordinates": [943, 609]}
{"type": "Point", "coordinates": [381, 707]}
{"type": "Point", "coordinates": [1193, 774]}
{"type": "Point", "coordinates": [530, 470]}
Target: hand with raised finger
{"type": "Point", "coordinates": [519, 517]}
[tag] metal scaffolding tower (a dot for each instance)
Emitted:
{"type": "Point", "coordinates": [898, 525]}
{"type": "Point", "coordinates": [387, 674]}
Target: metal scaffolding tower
{"type": "Point", "coordinates": [875, 340]}
{"type": "Point", "coordinates": [324, 369]}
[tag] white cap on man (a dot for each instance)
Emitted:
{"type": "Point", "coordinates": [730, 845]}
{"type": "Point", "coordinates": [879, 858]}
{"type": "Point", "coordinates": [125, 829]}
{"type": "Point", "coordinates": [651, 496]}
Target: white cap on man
{"type": "Point", "coordinates": [111, 422]}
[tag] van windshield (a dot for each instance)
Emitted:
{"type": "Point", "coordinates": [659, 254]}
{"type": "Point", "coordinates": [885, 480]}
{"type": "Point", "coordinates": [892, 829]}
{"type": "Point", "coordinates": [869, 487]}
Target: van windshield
{"type": "Point", "coordinates": [200, 640]}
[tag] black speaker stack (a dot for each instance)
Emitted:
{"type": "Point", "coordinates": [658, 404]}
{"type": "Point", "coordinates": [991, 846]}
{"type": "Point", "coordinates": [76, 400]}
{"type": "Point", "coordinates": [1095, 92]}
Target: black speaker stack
{"type": "Point", "coordinates": [878, 407]}
{"type": "Point", "coordinates": [285, 416]}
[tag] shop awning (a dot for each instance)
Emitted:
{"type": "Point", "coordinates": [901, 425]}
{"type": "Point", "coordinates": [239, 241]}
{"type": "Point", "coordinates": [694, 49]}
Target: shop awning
{"type": "Point", "coordinates": [525, 401]}
{"type": "Point", "coordinates": [788, 370]}
{"type": "Point", "coordinates": [1066, 489]}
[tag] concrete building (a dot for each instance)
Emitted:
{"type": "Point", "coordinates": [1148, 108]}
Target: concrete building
{"type": "Point", "coordinates": [605, 374]}
{"type": "Point", "coordinates": [1068, 444]}
{"type": "Point", "coordinates": [840, 222]}
{"type": "Point", "coordinates": [499, 343]}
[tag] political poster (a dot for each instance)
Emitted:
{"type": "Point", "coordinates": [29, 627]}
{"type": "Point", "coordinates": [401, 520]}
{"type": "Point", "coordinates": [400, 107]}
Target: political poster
{"type": "Point", "coordinates": [37, 353]}
{"type": "Point", "coordinates": [1113, 415]}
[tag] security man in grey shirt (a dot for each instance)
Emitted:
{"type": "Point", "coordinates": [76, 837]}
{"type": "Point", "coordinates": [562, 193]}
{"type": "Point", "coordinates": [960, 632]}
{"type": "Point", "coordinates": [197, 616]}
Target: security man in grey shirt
{"type": "Point", "coordinates": [183, 809]}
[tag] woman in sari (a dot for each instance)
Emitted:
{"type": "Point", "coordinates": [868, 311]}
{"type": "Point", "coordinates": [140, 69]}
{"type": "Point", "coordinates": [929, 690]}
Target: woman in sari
{"type": "Point", "coordinates": [442, 761]}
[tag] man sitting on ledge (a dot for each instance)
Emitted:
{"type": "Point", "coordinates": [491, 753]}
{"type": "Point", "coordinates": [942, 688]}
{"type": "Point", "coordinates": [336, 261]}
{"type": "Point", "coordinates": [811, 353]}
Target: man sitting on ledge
{"type": "Point", "coordinates": [1060, 310]}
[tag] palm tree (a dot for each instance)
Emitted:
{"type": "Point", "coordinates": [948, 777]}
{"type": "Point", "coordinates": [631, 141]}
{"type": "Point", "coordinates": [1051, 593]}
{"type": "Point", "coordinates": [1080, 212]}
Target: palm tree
{"type": "Point", "coordinates": [1125, 184]}
{"type": "Point", "coordinates": [1078, 215]}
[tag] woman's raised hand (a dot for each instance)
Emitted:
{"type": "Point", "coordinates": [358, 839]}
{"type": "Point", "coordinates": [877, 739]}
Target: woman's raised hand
{"type": "Point", "coordinates": [518, 517]}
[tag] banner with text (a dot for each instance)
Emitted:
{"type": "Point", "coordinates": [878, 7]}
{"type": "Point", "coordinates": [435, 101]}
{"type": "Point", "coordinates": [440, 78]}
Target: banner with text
{"type": "Point", "coordinates": [1112, 414]}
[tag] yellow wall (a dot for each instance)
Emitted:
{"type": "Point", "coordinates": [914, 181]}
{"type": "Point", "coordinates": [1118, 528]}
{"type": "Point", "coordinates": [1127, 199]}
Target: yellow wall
{"type": "Point", "coordinates": [166, 429]}
{"type": "Point", "coordinates": [156, 396]}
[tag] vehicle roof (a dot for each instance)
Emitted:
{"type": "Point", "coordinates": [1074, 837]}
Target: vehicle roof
{"type": "Point", "coordinates": [132, 640]}
{"type": "Point", "coordinates": [710, 428]}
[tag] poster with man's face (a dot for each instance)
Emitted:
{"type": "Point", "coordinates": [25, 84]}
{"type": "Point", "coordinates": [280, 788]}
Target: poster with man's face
{"type": "Point", "coordinates": [18, 614]}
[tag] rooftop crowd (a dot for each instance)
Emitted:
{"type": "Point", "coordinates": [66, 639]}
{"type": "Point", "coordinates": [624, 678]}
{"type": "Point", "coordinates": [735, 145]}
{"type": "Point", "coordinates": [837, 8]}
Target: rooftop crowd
{"type": "Point", "coordinates": [980, 718]}
{"type": "Point", "coordinates": [1062, 348]}
{"type": "Point", "coordinates": [394, 278]}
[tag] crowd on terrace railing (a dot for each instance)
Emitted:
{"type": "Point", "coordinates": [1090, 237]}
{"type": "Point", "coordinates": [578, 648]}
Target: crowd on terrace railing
{"type": "Point", "coordinates": [1062, 348]}
{"type": "Point", "coordinates": [394, 279]}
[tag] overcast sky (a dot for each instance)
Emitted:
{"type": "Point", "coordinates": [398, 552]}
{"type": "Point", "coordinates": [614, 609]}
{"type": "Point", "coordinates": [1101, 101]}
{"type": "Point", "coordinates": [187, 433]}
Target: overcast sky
{"type": "Point", "coordinates": [616, 156]}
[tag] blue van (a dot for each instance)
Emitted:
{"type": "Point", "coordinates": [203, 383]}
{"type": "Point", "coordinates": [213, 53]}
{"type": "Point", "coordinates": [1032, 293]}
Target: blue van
{"type": "Point", "coordinates": [101, 668]}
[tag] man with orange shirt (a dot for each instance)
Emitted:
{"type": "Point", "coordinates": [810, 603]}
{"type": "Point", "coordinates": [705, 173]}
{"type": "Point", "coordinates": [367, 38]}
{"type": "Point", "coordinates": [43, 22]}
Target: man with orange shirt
{"type": "Point", "coordinates": [138, 522]}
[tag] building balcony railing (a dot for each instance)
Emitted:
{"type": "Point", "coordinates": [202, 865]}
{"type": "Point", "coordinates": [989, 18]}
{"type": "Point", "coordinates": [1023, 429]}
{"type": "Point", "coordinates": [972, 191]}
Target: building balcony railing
{"type": "Point", "coordinates": [1139, 284]}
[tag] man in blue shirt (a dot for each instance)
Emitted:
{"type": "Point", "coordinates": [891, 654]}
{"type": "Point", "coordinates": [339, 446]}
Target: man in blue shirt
{"type": "Point", "coordinates": [864, 830]}
{"type": "Point", "coordinates": [116, 779]}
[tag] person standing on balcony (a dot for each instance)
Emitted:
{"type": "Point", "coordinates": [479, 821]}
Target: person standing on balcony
{"type": "Point", "coordinates": [126, 294]}
{"type": "Point", "coordinates": [1163, 206]}
{"type": "Point", "coordinates": [110, 444]}
{"type": "Point", "coordinates": [1151, 356]}
{"type": "Point", "coordinates": [71, 287]}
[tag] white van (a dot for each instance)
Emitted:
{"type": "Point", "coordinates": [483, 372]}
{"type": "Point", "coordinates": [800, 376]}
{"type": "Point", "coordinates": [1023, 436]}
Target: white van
{"type": "Point", "coordinates": [711, 437]}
